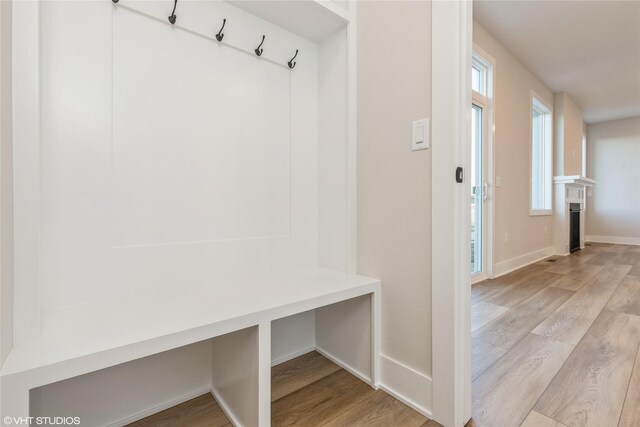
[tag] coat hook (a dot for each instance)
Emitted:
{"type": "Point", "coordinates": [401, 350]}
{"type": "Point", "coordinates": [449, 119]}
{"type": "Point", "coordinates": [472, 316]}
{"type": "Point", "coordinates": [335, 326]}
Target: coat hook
{"type": "Point", "coordinates": [259, 51]}
{"type": "Point", "coordinates": [172, 18]}
{"type": "Point", "coordinates": [115, 1]}
{"type": "Point", "coordinates": [291, 63]}
{"type": "Point", "coordinates": [220, 36]}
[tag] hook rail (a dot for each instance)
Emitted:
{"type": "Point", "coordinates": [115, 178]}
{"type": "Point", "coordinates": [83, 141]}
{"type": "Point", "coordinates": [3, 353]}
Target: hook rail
{"type": "Point", "coordinates": [220, 35]}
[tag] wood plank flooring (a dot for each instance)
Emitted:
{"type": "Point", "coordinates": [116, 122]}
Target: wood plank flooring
{"type": "Point", "coordinates": [556, 343]}
{"type": "Point", "coordinates": [331, 396]}
{"type": "Point", "coordinates": [309, 390]}
{"type": "Point", "coordinates": [203, 411]}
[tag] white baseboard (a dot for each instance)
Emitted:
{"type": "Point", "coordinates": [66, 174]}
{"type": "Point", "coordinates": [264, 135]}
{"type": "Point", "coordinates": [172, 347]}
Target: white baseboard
{"type": "Point", "coordinates": [364, 377]}
{"type": "Point", "coordinates": [225, 407]}
{"type": "Point", "coordinates": [409, 386]}
{"type": "Point", "coordinates": [293, 355]}
{"type": "Point", "coordinates": [159, 408]}
{"type": "Point", "coordinates": [513, 264]}
{"type": "Point", "coordinates": [614, 239]}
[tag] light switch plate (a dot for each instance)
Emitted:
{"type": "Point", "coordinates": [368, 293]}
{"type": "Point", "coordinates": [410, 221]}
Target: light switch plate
{"type": "Point", "coordinates": [420, 135]}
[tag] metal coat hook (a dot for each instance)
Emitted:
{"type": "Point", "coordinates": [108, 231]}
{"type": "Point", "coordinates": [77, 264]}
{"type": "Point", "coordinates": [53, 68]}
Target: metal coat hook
{"type": "Point", "coordinates": [172, 18]}
{"type": "Point", "coordinates": [259, 51]}
{"type": "Point", "coordinates": [291, 63]}
{"type": "Point", "coordinates": [220, 36]}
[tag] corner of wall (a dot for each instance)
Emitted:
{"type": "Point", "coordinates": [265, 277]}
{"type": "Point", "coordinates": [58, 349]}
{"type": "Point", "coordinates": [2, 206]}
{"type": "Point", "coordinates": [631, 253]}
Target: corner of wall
{"type": "Point", "coordinates": [558, 133]}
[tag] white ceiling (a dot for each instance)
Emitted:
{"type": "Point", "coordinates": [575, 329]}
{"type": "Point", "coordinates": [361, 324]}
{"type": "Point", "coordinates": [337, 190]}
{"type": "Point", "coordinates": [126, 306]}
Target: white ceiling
{"type": "Point", "coordinates": [589, 49]}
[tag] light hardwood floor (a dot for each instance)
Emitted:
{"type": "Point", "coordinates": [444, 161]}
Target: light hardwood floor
{"type": "Point", "coordinates": [309, 391]}
{"type": "Point", "coordinates": [556, 343]}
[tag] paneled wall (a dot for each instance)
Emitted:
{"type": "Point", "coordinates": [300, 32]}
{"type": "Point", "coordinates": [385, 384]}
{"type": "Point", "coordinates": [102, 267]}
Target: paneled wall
{"type": "Point", "coordinates": [168, 159]}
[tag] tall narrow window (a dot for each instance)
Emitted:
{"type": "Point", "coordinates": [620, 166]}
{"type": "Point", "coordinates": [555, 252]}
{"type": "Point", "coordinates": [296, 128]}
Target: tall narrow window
{"type": "Point", "coordinates": [540, 157]}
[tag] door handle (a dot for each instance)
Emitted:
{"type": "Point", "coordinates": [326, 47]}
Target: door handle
{"type": "Point", "coordinates": [485, 191]}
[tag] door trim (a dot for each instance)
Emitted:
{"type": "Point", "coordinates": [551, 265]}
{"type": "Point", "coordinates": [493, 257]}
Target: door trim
{"type": "Point", "coordinates": [452, 25]}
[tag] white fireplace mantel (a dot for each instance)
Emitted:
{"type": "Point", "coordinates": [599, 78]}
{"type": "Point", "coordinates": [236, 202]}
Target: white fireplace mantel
{"type": "Point", "coordinates": [574, 179]}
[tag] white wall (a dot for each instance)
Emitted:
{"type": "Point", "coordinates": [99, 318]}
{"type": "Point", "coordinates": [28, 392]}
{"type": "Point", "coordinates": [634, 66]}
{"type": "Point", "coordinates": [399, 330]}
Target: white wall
{"type": "Point", "coordinates": [613, 160]}
{"type": "Point", "coordinates": [394, 194]}
{"type": "Point", "coordinates": [6, 184]}
{"type": "Point", "coordinates": [568, 129]}
{"type": "Point", "coordinates": [513, 85]}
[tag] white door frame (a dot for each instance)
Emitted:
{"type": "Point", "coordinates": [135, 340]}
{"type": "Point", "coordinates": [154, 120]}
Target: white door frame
{"type": "Point", "coordinates": [452, 25]}
{"type": "Point", "coordinates": [488, 102]}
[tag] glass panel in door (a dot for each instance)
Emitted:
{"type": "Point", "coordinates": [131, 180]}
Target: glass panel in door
{"type": "Point", "coordinates": [476, 189]}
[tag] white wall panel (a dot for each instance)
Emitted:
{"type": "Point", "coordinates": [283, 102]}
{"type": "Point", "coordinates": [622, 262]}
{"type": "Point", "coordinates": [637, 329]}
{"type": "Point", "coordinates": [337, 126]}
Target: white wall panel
{"type": "Point", "coordinates": [6, 184]}
{"type": "Point", "coordinates": [75, 150]}
{"type": "Point", "coordinates": [344, 333]}
{"type": "Point", "coordinates": [201, 139]}
{"type": "Point", "coordinates": [170, 159]}
{"type": "Point", "coordinates": [332, 153]}
{"type": "Point", "coordinates": [235, 375]}
{"type": "Point", "coordinates": [292, 336]}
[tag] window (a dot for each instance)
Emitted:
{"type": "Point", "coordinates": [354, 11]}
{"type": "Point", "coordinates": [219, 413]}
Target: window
{"type": "Point", "coordinates": [540, 157]}
{"type": "Point", "coordinates": [479, 74]}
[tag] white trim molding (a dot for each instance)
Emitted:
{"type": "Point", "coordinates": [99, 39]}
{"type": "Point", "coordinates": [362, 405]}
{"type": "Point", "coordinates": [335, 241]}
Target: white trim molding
{"type": "Point", "coordinates": [621, 240]}
{"type": "Point", "coordinates": [541, 107]}
{"type": "Point", "coordinates": [452, 26]}
{"type": "Point", "coordinates": [293, 355]}
{"type": "Point", "coordinates": [506, 267]}
{"type": "Point", "coordinates": [225, 407]}
{"type": "Point", "coordinates": [347, 367]}
{"type": "Point", "coordinates": [409, 386]}
{"type": "Point", "coordinates": [161, 407]}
